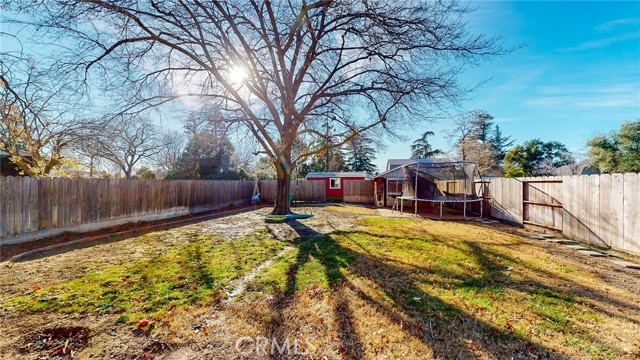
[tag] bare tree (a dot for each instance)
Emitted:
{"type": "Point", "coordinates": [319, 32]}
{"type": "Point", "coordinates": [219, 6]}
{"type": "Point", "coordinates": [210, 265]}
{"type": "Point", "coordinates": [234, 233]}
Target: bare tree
{"type": "Point", "coordinates": [128, 142]}
{"type": "Point", "coordinates": [278, 68]}
{"type": "Point", "coordinates": [34, 130]}
{"type": "Point", "coordinates": [173, 143]}
{"type": "Point", "coordinates": [471, 143]}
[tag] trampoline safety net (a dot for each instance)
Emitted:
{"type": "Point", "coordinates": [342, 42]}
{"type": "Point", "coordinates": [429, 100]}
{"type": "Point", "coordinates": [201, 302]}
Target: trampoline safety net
{"type": "Point", "coordinates": [429, 180]}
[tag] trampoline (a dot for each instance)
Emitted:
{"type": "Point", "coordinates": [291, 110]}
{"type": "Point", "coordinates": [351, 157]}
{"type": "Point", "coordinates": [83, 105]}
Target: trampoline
{"type": "Point", "coordinates": [437, 182]}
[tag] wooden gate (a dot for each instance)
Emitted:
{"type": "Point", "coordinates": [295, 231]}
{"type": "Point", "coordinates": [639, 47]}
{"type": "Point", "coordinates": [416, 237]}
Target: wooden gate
{"type": "Point", "coordinates": [542, 202]}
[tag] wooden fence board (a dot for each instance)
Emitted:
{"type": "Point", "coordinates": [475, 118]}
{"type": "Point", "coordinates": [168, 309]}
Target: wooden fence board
{"type": "Point", "coordinates": [302, 190]}
{"type": "Point", "coordinates": [617, 198]}
{"type": "Point", "coordinates": [3, 200]}
{"type": "Point", "coordinates": [30, 204]}
{"type": "Point", "coordinates": [358, 191]}
{"type": "Point", "coordinates": [610, 200]}
{"type": "Point", "coordinates": [53, 196]}
{"type": "Point", "coordinates": [3, 205]}
{"type": "Point", "coordinates": [578, 209]}
{"type": "Point", "coordinates": [567, 206]}
{"type": "Point", "coordinates": [43, 204]}
{"type": "Point", "coordinates": [26, 202]}
{"type": "Point", "coordinates": [595, 236]}
{"type": "Point", "coordinates": [33, 205]}
{"type": "Point", "coordinates": [67, 201]}
{"type": "Point", "coordinates": [631, 208]}
{"type": "Point", "coordinates": [13, 209]}
{"type": "Point", "coordinates": [17, 203]}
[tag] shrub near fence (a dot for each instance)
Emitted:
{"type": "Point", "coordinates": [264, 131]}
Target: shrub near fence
{"type": "Point", "coordinates": [32, 208]}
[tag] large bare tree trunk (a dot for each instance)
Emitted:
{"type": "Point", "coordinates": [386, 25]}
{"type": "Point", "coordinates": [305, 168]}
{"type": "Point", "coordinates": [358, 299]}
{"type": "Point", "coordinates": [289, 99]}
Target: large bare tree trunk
{"type": "Point", "coordinates": [283, 169]}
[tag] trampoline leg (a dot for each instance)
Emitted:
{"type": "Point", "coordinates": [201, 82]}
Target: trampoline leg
{"type": "Point", "coordinates": [415, 212]}
{"type": "Point", "coordinates": [440, 209]}
{"type": "Point", "coordinates": [481, 206]}
{"type": "Point", "coordinates": [464, 210]}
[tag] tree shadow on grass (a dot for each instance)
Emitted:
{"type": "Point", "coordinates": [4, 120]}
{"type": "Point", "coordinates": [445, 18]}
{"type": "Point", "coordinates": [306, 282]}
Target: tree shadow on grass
{"type": "Point", "coordinates": [492, 268]}
{"type": "Point", "coordinates": [445, 328]}
{"type": "Point", "coordinates": [311, 243]}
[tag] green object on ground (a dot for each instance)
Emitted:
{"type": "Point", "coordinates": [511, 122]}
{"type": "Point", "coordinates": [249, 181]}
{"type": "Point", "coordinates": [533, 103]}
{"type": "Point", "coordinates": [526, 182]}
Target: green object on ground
{"type": "Point", "coordinates": [298, 216]}
{"type": "Point", "coordinates": [275, 219]}
{"type": "Point", "coordinates": [283, 218]}
{"type": "Point", "coordinates": [275, 199]}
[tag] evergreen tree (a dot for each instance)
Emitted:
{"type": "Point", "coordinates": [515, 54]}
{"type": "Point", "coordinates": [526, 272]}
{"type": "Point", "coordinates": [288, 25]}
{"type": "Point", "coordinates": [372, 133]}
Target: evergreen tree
{"type": "Point", "coordinates": [500, 144]}
{"type": "Point", "coordinates": [481, 123]}
{"type": "Point", "coordinates": [209, 153]}
{"type": "Point", "coordinates": [421, 149]}
{"type": "Point", "coordinates": [479, 139]}
{"type": "Point", "coordinates": [361, 155]}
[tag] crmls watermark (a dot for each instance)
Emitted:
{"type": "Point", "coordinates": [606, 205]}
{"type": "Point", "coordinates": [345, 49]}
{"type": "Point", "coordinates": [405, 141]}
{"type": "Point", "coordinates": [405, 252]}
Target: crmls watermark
{"type": "Point", "coordinates": [261, 345]}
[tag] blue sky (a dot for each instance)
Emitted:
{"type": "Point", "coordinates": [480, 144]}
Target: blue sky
{"type": "Point", "coordinates": [578, 75]}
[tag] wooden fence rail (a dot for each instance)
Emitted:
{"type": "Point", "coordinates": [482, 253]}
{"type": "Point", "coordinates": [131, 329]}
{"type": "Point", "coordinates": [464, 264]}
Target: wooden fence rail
{"type": "Point", "coordinates": [603, 210]}
{"type": "Point", "coordinates": [302, 190]}
{"type": "Point", "coordinates": [32, 208]}
{"type": "Point", "coordinates": [358, 191]}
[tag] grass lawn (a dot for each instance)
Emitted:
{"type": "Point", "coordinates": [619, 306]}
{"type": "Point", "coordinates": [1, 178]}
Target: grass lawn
{"type": "Point", "coordinates": [350, 284]}
{"type": "Point", "coordinates": [181, 275]}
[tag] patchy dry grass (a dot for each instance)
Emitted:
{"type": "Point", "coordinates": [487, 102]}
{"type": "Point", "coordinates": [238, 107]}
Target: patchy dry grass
{"type": "Point", "coordinates": [356, 287]}
{"type": "Point", "coordinates": [180, 275]}
{"type": "Point", "coordinates": [352, 210]}
{"type": "Point", "coordinates": [449, 290]}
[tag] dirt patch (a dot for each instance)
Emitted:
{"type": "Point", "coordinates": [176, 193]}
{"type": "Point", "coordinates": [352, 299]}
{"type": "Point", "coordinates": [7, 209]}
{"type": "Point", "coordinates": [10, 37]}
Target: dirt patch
{"type": "Point", "coordinates": [154, 348]}
{"type": "Point", "coordinates": [57, 342]}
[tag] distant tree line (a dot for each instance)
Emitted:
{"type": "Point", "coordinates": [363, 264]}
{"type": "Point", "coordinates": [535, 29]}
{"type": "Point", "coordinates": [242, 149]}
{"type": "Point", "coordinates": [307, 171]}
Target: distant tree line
{"type": "Point", "coordinates": [476, 138]}
{"type": "Point", "coordinates": [617, 151]}
{"type": "Point", "coordinates": [42, 140]}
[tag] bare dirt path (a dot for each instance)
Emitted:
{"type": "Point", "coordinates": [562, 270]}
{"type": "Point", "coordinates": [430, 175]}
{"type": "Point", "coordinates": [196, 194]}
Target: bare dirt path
{"type": "Point", "coordinates": [238, 286]}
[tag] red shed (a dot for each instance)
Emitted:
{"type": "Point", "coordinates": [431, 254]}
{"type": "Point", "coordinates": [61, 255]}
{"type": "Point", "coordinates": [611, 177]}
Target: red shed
{"type": "Point", "coordinates": [334, 181]}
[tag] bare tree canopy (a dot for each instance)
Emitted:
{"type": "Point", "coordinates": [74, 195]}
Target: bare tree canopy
{"type": "Point", "coordinates": [278, 68]}
{"type": "Point", "coordinates": [168, 154]}
{"type": "Point", "coordinates": [36, 126]}
{"type": "Point", "coordinates": [128, 142]}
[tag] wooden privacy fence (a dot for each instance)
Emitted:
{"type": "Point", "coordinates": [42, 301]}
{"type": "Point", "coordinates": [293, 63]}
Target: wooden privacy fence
{"type": "Point", "coordinates": [603, 210]}
{"type": "Point", "coordinates": [358, 191]}
{"type": "Point", "coordinates": [302, 190]}
{"type": "Point", "coordinates": [32, 208]}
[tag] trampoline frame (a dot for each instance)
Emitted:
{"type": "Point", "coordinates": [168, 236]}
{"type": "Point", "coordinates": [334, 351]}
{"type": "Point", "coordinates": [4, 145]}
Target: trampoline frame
{"type": "Point", "coordinates": [442, 200]}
